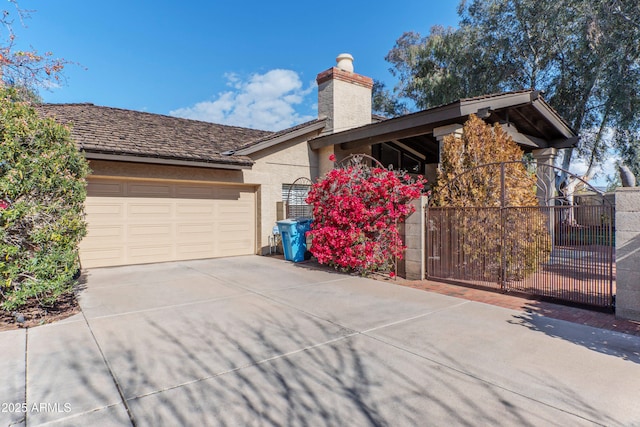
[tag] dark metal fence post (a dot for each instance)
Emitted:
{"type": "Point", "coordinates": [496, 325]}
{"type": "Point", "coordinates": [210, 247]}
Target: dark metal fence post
{"type": "Point", "coordinates": [611, 245]}
{"type": "Point", "coordinates": [503, 252]}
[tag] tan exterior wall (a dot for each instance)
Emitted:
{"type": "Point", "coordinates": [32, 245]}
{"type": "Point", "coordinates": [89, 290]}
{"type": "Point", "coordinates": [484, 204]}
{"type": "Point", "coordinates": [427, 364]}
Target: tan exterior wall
{"type": "Point", "coordinates": [273, 167]}
{"type": "Point", "coordinates": [341, 154]}
{"type": "Point", "coordinates": [164, 172]}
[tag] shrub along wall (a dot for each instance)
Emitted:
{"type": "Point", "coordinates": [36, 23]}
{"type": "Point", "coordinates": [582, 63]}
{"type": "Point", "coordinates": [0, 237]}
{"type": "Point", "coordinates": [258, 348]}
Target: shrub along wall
{"type": "Point", "coordinates": [42, 189]}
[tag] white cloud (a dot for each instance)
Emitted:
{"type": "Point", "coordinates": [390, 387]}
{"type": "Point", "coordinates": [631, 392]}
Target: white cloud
{"type": "Point", "coordinates": [607, 169]}
{"type": "Point", "coordinates": [49, 84]}
{"type": "Point", "coordinates": [262, 101]}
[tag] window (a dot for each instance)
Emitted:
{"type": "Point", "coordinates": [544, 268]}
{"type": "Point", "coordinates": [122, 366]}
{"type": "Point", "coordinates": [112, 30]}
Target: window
{"type": "Point", "coordinates": [295, 195]}
{"type": "Point", "coordinates": [411, 164]}
{"type": "Point", "coordinates": [396, 158]}
{"type": "Point", "coordinates": [389, 157]}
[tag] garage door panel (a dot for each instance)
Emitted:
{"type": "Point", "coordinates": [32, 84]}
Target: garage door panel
{"type": "Point", "coordinates": [235, 243]}
{"type": "Point", "coordinates": [150, 253]}
{"type": "Point", "coordinates": [91, 257]}
{"type": "Point", "coordinates": [184, 209]}
{"type": "Point", "coordinates": [153, 232]}
{"type": "Point", "coordinates": [233, 228]}
{"type": "Point", "coordinates": [195, 192]}
{"type": "Point", "coordinates": [105, 210]}
{"type": "Point", "coordinates": [196, 249]}
{"type": "Point", "coordinates": [149, 210]}
{"type": "Point", "coordinates": [230, 193]}
{"type": "Point", "coordinates": [108, 189]}
{"type": "Point", "coordinates": [101, 235]}
{"type": "Point", "coordinates": [157, 221]}
{"type": "Point", "coordinates": [238, 207]}
{"type": "Point", "coordinates": [232, 247]}
{"type": "Point", "coordinates": [135, 189]}
{"type": "Point", "coordinates": [203, 231]}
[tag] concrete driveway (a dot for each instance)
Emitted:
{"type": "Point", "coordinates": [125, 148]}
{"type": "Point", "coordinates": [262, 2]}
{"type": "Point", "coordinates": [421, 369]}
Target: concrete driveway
{"type": "Point", "coordinates": [260, 341]}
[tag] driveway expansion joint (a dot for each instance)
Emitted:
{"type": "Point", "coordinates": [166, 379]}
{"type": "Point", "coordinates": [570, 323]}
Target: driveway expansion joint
{"type": "Point", "coordinates": [483, 380]}
{"type": "Point", "coordinates": [111, 374]}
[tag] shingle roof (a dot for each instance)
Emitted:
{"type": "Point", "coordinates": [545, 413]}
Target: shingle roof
{"type": "Point", "coordinates": [109, 130]}
{"type": "Point", "coordinates": [277, 134]}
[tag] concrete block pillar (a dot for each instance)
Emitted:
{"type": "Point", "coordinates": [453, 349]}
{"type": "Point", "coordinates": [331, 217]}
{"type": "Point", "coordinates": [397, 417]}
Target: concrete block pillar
{"type": "Point", "coordinates": [546, 159]}
{"type": "Point", "coordinates": [415, 241]}
{"type": "Point", "coordinates": [628, 253]}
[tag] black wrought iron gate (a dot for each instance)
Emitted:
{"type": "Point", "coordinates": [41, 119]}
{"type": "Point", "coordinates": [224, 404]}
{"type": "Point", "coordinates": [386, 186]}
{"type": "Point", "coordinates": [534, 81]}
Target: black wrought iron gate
{"type": "Point", "coordinates": [560, 251]}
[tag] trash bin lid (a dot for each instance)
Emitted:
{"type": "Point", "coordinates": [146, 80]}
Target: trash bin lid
{"type": "Point", "coordinates": [287, 222]}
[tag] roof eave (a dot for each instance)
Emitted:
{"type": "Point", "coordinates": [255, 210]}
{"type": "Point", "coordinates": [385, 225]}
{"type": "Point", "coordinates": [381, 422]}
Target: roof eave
{"type": "Point", "coordinates": [554, 118]}
{"type": "Point", "coordinates": [408, 125]}
{"type": "Point", "coordinates": [416, 123]}
{"type": "Point", "coordinates": [164, 161]}
{"type": "Point", "coordinates": [314, 127]}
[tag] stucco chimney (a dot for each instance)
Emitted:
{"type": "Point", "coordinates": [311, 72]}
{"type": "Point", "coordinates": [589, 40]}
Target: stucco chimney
{"type": "Point", "coordinates": [344, 97]}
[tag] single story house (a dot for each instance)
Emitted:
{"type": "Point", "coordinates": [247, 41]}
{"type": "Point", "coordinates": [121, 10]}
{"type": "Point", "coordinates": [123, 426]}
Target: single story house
{"type": "Point", "coordinates": [165, 188]}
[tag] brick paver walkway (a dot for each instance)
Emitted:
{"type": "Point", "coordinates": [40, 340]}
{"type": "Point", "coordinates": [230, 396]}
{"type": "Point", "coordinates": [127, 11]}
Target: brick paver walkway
{"type": "Point", "coordinates": [517, 302]}
{"type": "Point", "coordinates": [513, 301]}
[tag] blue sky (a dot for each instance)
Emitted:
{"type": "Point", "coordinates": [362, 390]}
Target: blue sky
{"type": "Point", "coordinates": [250, 63]}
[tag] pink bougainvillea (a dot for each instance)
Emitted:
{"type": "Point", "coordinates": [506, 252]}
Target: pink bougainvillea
{"type": "Point", "coordinates": [356, 213]}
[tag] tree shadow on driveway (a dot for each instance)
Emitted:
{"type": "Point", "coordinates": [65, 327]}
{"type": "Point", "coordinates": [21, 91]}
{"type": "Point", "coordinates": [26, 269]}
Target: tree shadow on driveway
{"type": "Point", "coordinates": [269, 372]}
{"type": "Point", "coordinates": [604, 341]}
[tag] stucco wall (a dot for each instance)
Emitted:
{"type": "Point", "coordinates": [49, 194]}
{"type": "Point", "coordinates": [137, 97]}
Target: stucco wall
{"type": "Point", "coordinates": [273, 167]}
{"type": "Point", "coordinates": [151, 171]}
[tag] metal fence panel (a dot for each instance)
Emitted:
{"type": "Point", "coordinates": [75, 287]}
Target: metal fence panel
{"type": "Point", "coordinates": [561, 252]}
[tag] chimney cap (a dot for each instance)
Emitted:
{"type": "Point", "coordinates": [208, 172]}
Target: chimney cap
{"type": "Point", "coordinates": [345, 62]}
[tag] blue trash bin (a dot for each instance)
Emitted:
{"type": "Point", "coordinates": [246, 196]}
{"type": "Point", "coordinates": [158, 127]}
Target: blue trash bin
{"type": "Point", "coordinates": [293, 233]}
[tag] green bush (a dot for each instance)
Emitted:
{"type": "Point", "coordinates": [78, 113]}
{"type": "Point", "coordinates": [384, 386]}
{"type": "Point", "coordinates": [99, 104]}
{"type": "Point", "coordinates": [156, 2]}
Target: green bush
{"type": "Point", "coordinates": [42, 192]}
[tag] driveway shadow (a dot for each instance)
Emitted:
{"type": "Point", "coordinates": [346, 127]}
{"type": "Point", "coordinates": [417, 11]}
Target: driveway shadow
{"type": "Point", "coordinates": [352, 379]}
{"type": "Point", "coordinates": [604, 341]}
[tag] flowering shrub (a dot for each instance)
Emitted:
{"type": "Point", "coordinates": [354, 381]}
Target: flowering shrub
{"type": "Point", "coordinates": [356, 213]}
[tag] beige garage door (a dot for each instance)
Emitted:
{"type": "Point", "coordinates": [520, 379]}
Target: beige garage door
{"type": "Point", "coordinates": [135, 222]}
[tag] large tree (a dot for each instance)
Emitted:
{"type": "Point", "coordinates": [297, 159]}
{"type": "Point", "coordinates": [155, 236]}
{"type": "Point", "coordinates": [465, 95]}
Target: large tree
{"type": "Point", "coordinates": [583, 54]}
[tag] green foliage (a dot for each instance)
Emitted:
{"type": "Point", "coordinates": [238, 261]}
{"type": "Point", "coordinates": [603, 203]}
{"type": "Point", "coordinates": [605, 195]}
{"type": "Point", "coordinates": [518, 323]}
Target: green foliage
{"type": "Point", "coordinates": [441, 68]}
{"type": "Point", "coordinates": [492, 229]}
{"type": "Point", "coordinates": [583, 54]}
{"type": "Point", "coordinates": [42, 184]}
{"type": "Point", "coordinates": [384, 103]}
